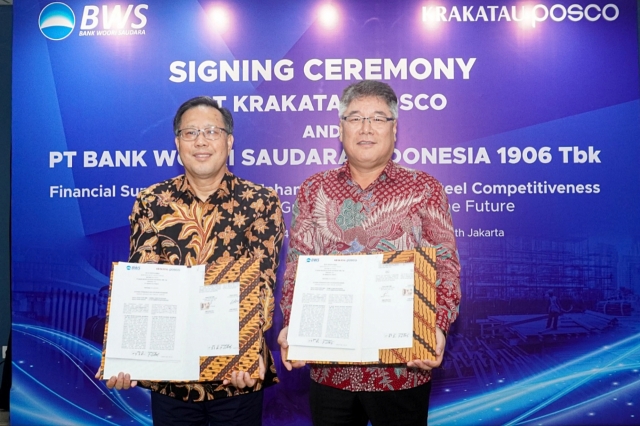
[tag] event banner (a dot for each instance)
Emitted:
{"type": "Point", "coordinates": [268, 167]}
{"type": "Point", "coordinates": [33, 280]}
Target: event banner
{"type": "Point", "coordinates": [526, 111]}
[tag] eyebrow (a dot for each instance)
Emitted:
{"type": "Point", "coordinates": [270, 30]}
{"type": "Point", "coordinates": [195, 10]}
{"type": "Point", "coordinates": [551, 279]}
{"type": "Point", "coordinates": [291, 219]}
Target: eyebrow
{"type": "Point", "coordinates": [360, 113]}
{"type": "Point", "coordinates": [204, 127]}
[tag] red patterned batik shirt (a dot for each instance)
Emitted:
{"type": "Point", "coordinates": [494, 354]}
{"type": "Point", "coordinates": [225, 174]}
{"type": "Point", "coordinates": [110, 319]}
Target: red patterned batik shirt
{"type": "Point", "coordinates": [401, 210]}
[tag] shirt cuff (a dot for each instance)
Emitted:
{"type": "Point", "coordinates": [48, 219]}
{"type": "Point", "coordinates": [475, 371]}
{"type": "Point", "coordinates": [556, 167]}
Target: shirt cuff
{"type": "Point", "coordinates": [442, 321]}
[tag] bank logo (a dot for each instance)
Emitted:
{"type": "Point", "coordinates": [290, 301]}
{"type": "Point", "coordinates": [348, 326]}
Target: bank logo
{"type": "Point", "coordinates": [57, 21]}
{"type": "Point", "coordinates": [113, 20]}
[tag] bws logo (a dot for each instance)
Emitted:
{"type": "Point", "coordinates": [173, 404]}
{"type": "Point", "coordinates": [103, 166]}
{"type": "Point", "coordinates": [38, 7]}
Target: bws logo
{"type": "Point", "coordinates": [57, 20]}
{"type": "Point", "coordinates": [113, 19]}
{"type": "Point", "coordinates": [134, 268]}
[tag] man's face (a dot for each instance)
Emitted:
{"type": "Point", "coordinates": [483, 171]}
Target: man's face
{"type": "Point", "coordinates": [203, 159]}
{"type": "Point", "coordinates": [368, 146]}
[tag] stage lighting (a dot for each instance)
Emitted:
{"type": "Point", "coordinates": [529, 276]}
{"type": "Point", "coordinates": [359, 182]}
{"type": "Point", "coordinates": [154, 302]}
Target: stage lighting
{"type": "Point", "coordinates": [219, 18]}
{"type": "Point", "coordinates": [328, 16]}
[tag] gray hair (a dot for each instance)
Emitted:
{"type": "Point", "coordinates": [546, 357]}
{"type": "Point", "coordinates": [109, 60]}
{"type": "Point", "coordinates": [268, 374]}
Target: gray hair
{"type": "Point", "coordinates": [369, 88]}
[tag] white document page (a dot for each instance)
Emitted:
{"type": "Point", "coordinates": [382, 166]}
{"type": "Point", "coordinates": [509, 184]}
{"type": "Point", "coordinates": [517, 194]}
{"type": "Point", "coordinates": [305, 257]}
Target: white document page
{"type": "Point", "coordinates": [216, 331]}
{"type": "Point", "coordinates": [303, 353]}
{"type": "Point", "coordinates": [327, 301]}
{"type": "Point", "coordinates": [383, 319]}
{"type": "Point", "coordinates": [388, 314]}
{"type": "Point", "coordinates": [148, 321]}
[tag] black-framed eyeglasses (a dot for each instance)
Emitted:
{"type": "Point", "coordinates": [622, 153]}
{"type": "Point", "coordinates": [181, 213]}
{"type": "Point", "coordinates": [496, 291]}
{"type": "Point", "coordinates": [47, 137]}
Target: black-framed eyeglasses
{"type": "Point", "coordinates": [190, 134]}
{"type": "Point", "coordinates": [377, 121]}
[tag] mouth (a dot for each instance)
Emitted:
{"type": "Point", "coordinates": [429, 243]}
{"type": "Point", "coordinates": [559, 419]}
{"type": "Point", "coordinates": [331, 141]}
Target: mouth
{"type": "Point", "coordinates": [202, 155]}
{"type": "Point", "coordinates": [366, 143]}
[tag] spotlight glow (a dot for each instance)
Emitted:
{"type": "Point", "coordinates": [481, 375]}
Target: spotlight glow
{"type": "Point", "coordinates": [328, 16]}
{"type": "Point", "coordinates": [219, 19]}
{"type": "Point", "coordinates": [526, 16]}
{"type": "Point", "coordinates": [431, 17]}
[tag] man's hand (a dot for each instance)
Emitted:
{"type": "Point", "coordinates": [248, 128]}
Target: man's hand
{"type": "Point", "coordinates": [284, 351]}
{"type": "Point", "coordinates": [123, 381]}
{"type": "Point", "coordinates": [242, 379]}
{"type": "Point", "coordinates": [427, 364]}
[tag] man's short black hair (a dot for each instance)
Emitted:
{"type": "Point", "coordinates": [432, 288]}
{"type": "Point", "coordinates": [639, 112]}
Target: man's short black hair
{"type": "Point", "coordinates": [203, 101]}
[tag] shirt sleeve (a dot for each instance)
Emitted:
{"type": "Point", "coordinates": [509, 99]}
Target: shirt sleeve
{"type": "Point", "coordinates": [265, 236]}
{"type": "Point", "coordinates": [437, 231]}
{"type": "Point", "coordinates": [300, 243]}
{"type": "Point", "coordinates": [143, 240]}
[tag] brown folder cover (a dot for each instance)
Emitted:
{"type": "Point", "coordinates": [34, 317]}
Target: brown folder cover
{"type": "Point", "coordinates": [247, 271]}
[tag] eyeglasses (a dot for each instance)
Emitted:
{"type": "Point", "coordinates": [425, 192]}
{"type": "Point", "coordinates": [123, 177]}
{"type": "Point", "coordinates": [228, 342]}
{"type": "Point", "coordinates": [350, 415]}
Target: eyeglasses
{"type": "Point", "coordinates": [377, 121]}
{"type": "Point", "coordinates": [210, 133]}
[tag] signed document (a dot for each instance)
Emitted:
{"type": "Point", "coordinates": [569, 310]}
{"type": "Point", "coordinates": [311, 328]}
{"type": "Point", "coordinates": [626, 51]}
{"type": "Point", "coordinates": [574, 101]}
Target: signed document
{"type": "Point", "coordinates": [347, 308]}
{"type": "Point", "coordinates": [162, 319]}
{"type": "Point", "coordinates": [217, 304]}
{"type": "Point", "coordinates": [388, 298]}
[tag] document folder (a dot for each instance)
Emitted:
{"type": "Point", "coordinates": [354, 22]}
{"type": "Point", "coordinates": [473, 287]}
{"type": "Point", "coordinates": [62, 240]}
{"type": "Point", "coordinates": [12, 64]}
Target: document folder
{"type": "Point", "coordinates": [424, 310]}
{"type": "Point", "coordinates": [246, 271]}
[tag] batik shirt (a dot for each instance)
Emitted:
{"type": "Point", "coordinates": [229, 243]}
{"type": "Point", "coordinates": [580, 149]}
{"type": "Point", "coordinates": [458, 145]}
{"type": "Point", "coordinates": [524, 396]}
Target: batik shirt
{"type": "Point", "coordinates": [401, 210]}
{"type": "Point", "coordinates": [171, 225]}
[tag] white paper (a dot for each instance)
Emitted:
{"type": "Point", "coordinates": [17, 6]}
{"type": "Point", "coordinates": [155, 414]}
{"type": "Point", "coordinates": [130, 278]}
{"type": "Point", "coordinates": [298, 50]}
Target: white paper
{"type": "Point", "coordinates": [218, 330]}
{"type": "Point", "coordinates": [146, 312]}
{"type": "Point", "coordinates": [346, 308]}
{"type": "Point", "coordinates": [162, 319]}
{"type": "Point", "coordinates": [333, 354]}
{"type": "Point", "coordinates": [187, 369]}
{"type": "Point", "coordinates": [327, 309]}
{"type": "Point", "coordinates": [388, 319]}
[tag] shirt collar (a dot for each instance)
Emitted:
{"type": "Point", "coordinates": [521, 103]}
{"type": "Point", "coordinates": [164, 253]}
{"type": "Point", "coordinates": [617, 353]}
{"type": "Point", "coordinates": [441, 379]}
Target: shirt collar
{"type": "Point", "coordinates": [390, 171]}
{"type": "Point", "coordinates": [184, 188]}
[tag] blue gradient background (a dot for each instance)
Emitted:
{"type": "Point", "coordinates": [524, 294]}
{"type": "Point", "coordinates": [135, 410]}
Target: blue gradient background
{"type": "Point", "coordinates": [559, 84]}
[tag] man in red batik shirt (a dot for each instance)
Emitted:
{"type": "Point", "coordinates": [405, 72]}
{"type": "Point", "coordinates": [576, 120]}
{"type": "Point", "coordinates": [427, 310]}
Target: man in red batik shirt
{"type": "Point", "coordinates": [370, 205]}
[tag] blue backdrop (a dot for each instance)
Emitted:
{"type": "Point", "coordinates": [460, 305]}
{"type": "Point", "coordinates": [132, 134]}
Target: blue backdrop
{"type": "Point", "coordinates": [527, 111]}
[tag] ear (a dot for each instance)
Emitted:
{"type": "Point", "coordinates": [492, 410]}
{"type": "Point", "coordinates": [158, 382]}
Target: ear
{"type": "Point", "coordinates": [395, 130]}
{"type": "Point", "coordinates": [340, 131]}
{"type": "Point", "coordinates": [177, 140]}
{"type": "Point", "coordinates": [229, 144]}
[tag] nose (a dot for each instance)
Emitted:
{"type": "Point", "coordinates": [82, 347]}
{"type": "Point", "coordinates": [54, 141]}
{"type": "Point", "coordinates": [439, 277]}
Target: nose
{"type": "Point", "coordinates": [200, 139]}
{"type": "Point", "coordinates": [366, 126]}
